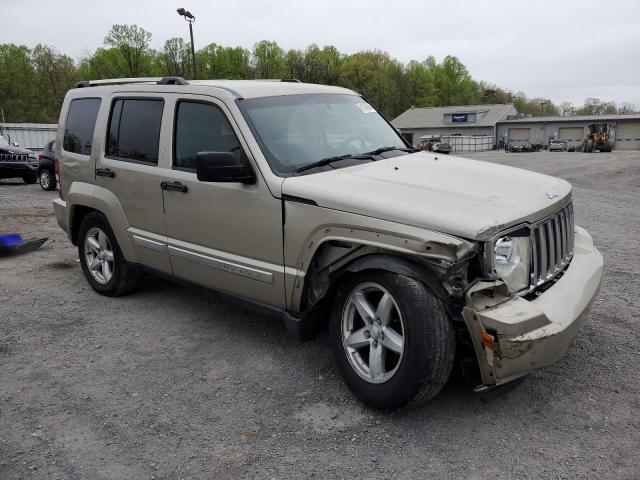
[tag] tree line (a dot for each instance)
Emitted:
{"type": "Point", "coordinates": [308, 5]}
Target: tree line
{"type": "Point", "coordinates": [33, 82]}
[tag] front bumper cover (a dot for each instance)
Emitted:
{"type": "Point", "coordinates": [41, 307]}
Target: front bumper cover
{"type": "Point", "coordinates": [531, 334]}
{"type": "Point", "coordinates": [17, 169]}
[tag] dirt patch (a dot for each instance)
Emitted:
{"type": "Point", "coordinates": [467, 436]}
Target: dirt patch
{"type": "Point", "coordinates": [323, 417]}
{"type": "Point", "coordinates": [64, 265]}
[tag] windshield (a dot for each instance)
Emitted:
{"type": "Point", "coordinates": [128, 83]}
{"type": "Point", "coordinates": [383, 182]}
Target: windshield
{"type": "Point", "coordinates": [298, 130]}
{"type": "Point", "coordinates": [4, 142]}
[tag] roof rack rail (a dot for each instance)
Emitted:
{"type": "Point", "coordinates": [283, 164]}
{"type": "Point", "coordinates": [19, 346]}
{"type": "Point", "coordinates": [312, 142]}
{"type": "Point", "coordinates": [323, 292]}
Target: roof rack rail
{"type": "Point", "coordinates": [288, 80]}
{"type": "Point", "coordinates": [146, 80]}
{"type": "Point", "coordinates": [173, 81]}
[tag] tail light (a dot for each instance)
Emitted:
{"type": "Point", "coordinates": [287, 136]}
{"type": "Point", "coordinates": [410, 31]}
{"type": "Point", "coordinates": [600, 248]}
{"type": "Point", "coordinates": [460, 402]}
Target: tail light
{"type": "Point", "coordinates": [57, 172]}
{"type": "Point", "coordinates": [39, 157]}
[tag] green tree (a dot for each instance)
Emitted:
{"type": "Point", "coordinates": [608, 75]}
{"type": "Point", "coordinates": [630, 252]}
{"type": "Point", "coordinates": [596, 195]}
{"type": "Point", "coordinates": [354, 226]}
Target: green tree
{"type": "Point", "coordinates": [420, 89]}
{"type": "Point", "coordinates": [175, 58]}
{"type": "Point", "coordinates": [103, 63]}
{"type": "Point", "coordinates": [17, 74]}
{"type": "Point", "coordinates": [377, 77]}
{"type": "Point", "coordinates": [269, 60]}
{"type": "Point", "coordinates": [132, 42]}
{"type": "Point", "coordinates": [295, 64]}
{"type": "Point", "coordinates": [215, 61]}
{"type": "Point", "coordinates": [454, 83]}
{"type": "Point", "coordinates": [595, 106]}
{"type": "Point", "coordinates": [54, 74]}
{"type": "Point", "coordinates": [33, 82]}
{"type": "Point", "coordinates": [493, 94]}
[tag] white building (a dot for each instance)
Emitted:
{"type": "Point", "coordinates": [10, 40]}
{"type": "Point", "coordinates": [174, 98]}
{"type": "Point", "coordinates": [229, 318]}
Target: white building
{"type": "Point", "coordinates": [33, 136]}
{"type": "Point", "coordinates": [625, 129]}
{"type": "Point", "coordinates": [467, 127]}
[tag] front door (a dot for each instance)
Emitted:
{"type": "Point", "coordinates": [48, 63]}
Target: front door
{"type": "Point", "coordinates": [227, 236]}
{"type": "Point", "coordinates": [128, 166]}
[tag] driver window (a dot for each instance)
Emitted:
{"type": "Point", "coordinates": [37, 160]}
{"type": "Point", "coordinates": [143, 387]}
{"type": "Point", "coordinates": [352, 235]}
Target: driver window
{"type": "Point", "coordinates": [201, 127]}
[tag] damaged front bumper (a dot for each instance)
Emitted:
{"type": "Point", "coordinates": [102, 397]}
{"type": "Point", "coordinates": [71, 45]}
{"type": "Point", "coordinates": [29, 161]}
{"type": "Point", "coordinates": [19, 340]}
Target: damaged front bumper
{"type": "Point", "coordinates": [513, 336]}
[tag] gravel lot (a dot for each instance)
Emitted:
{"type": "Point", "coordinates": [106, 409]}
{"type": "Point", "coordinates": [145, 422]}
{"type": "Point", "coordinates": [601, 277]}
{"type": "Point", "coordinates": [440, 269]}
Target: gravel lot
{"type": "Point", "coordinates": [175, 383]}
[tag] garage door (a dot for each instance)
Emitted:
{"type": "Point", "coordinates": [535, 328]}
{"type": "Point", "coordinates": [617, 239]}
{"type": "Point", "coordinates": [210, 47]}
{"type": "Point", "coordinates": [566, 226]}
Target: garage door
{"type": "Point", "coordinates": [570, 134]}
{"type": "Point", "coordinates": [628, 136]}
{"type": "Point", "coordinates": [519, 134]}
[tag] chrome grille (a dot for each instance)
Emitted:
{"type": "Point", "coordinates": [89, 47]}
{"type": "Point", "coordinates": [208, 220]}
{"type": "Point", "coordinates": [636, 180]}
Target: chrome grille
{"type": "Point", "coordinates": [551, 245]}
{"type": "Point", "coordinates": [13, 157]}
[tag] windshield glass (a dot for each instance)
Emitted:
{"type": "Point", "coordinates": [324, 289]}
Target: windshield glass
{"type": "Point", "coordinates": [4, 142]}
{"type": "Point", "coordinates": [297, 130]}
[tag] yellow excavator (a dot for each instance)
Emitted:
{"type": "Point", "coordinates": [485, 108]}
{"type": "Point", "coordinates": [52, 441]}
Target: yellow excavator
{"type": "Point", "coordinates": [598, 138]}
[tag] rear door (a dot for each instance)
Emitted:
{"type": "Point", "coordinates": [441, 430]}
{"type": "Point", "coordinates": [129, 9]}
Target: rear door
{"type": "Point", "coordinates": [227, 236]}
{"type": "Point", "coordinates": [129, 165]}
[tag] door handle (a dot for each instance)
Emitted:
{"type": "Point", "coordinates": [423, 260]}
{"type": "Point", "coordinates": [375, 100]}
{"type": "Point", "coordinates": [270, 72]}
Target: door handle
{"type": "Point", "coordinates": [105, 172]}
{"type": "Point", "coordinates": [173, 186]}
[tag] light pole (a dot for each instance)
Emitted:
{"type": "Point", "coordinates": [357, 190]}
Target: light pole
{"type": "Point", "coordinates": [188, 16]}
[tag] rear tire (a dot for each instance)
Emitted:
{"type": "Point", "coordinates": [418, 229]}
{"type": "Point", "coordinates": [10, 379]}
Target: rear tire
{"type": "Point", "coordinates": [103, 264]}
{"type": "Point", "coordinates": [418, 321]}
{"type": "Point", "coordinates": [47, 180]}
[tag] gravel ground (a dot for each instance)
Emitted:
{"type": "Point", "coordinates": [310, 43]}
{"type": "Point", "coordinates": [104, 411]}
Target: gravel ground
{"type": "Point", "coordinates": [174, 383]}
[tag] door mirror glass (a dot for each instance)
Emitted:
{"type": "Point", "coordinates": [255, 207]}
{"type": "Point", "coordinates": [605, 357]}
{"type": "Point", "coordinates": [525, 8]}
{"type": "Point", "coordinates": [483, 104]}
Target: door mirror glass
{"type": "Point", "coordinates": [223, 167]}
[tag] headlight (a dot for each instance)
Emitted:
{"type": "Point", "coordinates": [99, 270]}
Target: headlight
{"type": "Point", "coordinates": [512, 257]}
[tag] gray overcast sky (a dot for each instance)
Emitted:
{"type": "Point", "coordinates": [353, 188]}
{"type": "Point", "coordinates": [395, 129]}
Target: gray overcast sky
{"type": "Point", "coordinates": [564, 50]}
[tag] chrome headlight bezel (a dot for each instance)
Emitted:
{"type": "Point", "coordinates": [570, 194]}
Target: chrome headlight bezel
{"type": "Point", "coordinates": [516, 272]}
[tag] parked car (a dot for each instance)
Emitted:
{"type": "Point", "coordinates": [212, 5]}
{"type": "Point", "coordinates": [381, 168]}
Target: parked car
{"type": "Point", "coordinates": [16, 162]}
{"type": "Point", "coordinates": [442, 147]}
{"type": "Point", "coordinates": [557, 145]}
{"type": "Point", "coordinates": [304, 199]}
{"type": "Point", "coordinates": [46, 167]}
{"type": "Point", "coordinates": [520, 148]}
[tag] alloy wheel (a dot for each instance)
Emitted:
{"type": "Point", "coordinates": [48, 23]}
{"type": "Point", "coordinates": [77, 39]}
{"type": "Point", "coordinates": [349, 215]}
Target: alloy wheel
{"type": "Point", "coordinates": [373, 332]}
{"type": "Point", "coordinates": [99, 255]}
{"type": "Point", "coordinates": [45, 179]}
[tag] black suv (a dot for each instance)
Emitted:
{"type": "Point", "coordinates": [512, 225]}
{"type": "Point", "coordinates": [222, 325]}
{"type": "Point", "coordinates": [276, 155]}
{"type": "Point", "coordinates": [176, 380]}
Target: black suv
{"type": "Point", "coordinates": [47, 167]}
{"type": "Point", "coordinates": [16, 162]}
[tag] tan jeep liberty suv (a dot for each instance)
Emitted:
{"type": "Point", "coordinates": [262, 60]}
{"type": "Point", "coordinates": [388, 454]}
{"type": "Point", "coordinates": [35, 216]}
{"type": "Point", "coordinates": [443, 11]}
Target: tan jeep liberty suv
{"type": "Point", "coordinates": [305, 200]}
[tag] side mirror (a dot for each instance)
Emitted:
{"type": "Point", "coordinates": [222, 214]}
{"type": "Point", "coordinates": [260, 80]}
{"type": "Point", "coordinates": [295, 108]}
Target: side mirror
{"type": "Point", "coordinates": [223, 167]}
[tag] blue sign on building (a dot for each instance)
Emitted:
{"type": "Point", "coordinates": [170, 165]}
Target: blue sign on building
{"type": "Point", "coordinates": [459, 117]}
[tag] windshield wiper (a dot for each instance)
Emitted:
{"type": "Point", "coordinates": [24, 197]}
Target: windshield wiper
{"type": "Point", "coordinates": [380, 150]}
{"type": "Point", "coordinates": [350, 156]}
{"type": "Point", "coordinates": [334, 158]}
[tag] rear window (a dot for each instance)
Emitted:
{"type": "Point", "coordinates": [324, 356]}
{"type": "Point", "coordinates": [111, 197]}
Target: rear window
{"type": "Point", "coordinates": [81, 121]}
{"type": "Point", "coordinates": [134, 130]}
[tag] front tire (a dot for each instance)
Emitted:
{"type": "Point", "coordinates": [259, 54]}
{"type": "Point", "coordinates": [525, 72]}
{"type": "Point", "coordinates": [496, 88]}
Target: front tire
{"type": "Point", "coordinates": [392, 338]}
{"type": "Point", "coordinates": [47, 180]}
{"type": "Point", "coordinates": [103, 264]}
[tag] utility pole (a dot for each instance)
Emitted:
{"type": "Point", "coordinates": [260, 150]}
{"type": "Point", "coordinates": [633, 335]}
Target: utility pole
{"type": "Point", "coordinates": [188, 16]}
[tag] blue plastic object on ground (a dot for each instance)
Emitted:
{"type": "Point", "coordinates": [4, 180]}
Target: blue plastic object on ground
{"type": "Point", "coordinates": [9, 239]}
{"type": "Point", "coordinates": [13, 244]}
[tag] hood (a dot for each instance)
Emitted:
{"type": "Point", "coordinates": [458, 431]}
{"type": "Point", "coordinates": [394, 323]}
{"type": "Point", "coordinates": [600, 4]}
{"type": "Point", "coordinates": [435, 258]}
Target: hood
{"type": "Point", "coordinates": [15, 150]}
{"type": "Point", "coordinates": [458, 196]}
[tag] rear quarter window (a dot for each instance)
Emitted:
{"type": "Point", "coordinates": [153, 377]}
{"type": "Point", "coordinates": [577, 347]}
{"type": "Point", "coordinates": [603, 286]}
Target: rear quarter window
{"type": "Point", "coordinates": [134, 130]}
{"type": "Point", "coordinates": [80, 124]}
